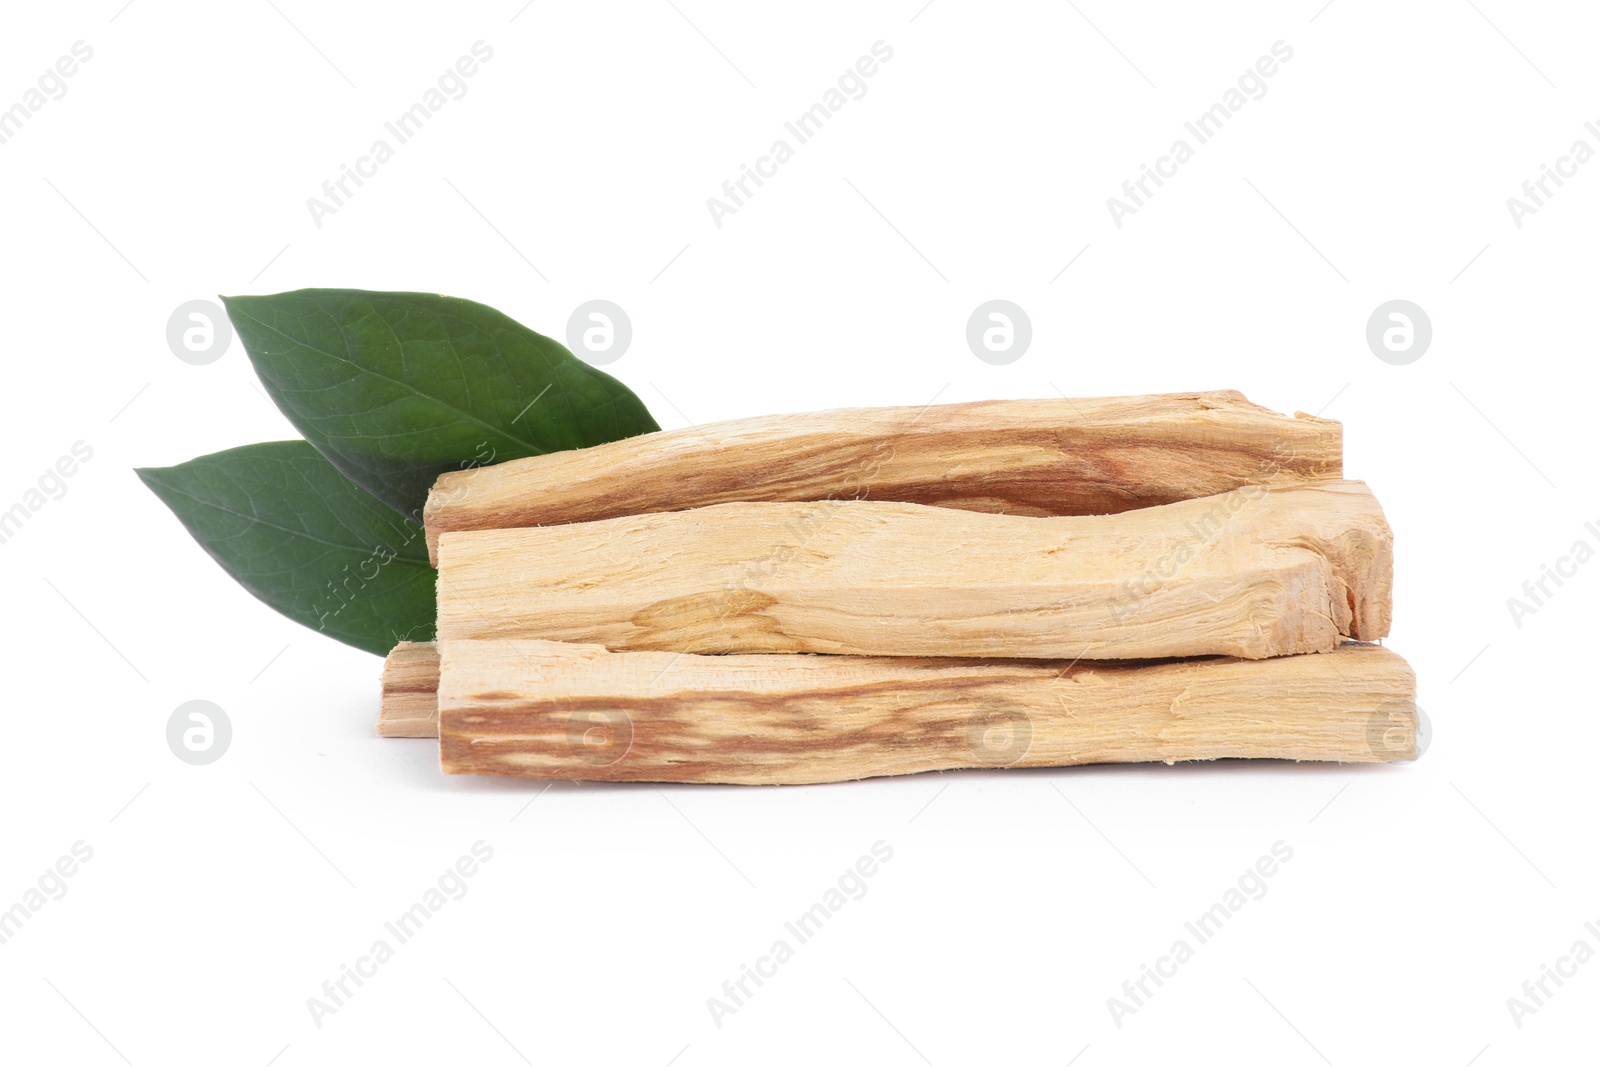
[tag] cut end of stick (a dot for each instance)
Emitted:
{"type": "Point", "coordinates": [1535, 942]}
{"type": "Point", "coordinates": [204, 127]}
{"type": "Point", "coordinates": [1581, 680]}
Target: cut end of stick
{"type": "Point", "coordinates": [409, 706]}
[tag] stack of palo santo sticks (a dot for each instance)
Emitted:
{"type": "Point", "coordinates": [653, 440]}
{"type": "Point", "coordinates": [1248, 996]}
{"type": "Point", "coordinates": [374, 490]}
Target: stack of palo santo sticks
{"type": "Point", "coordinates": [830, 596]}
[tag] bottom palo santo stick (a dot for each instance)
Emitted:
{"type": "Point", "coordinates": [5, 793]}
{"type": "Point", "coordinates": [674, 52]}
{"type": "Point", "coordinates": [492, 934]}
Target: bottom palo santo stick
{"type": "Point", "coordinates": [410, 704]}
{"type": "Point", "coordinates": [544, 709]}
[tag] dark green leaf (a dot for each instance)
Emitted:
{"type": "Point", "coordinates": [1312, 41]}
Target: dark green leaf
{"type": "Point", "coordinates": [396, 388]}
{"type": "Point", "coordinates": [291, 529]}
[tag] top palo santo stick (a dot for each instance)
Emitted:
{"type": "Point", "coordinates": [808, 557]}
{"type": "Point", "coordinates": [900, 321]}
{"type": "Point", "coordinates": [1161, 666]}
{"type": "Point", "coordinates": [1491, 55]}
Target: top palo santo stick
{"type": "Point", "coordinates": [1019, 457]}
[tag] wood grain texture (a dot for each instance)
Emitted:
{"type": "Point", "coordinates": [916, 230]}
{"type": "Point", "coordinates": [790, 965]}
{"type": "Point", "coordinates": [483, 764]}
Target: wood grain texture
{"type": "Point", "coordinates": [1256, 572]}
{"type": "Point", "coordinates": [409, 706]}
{"type": "Point", "coordinates": [543, 709]}
{"type": "Point", "coordinates": [1023, 457]}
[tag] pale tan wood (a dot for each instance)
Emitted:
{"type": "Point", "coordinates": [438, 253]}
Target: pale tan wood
{"type": "Point", "coordinates": [1260, 571]}
{"type": "Point", "coordinates": [409, 706]}
{"type": "Point", "coordinates": [1024, 457]}
{"type": "Point", "coordinates": [544, 709]}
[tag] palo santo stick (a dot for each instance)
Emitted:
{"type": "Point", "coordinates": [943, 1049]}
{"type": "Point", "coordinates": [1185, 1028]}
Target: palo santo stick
{"type": "Point", "coordinates": [1022, 457]}
{"type": "Point", "coordinates": [1254, 573]}
{"type": "Point", "coordinates": [410, 703]}
{"type": "Point", "coordinates": [543, 709]}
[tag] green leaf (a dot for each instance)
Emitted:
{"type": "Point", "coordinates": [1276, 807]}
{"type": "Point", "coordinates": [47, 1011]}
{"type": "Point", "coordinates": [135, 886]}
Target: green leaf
{"type": "Point", "coordinates": [396, 388]}
{"type": "Point", "coordinates": [293, 531]}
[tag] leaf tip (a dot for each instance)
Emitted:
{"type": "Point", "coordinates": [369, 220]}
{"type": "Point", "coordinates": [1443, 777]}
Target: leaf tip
{"type": "Point", "coordinates": [247, 306]}
{"type": "Point", "coordinates": [230, 303]}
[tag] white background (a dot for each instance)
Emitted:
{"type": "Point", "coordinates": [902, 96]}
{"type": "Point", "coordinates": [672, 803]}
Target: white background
{"type": "Point", "coordinates": [219, 898]}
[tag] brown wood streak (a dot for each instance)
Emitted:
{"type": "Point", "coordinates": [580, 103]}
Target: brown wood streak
{"type": "Point", "coordinates": [645, 716]}
{"type": "Point", "coordinates": [1030, 457]}
{"type": "Point", "coordinates": [1260, 571]}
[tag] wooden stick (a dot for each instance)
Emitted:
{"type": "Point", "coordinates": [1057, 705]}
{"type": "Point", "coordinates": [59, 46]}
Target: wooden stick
{"type": "Point", "coordinates": [1021, 457]}
{"type": "Point", "coordinates": [541, 709]}
{"type": "Point", "coordinates": [1256, 572]}
{"type": "Point", "coordinates": [410, 703]}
